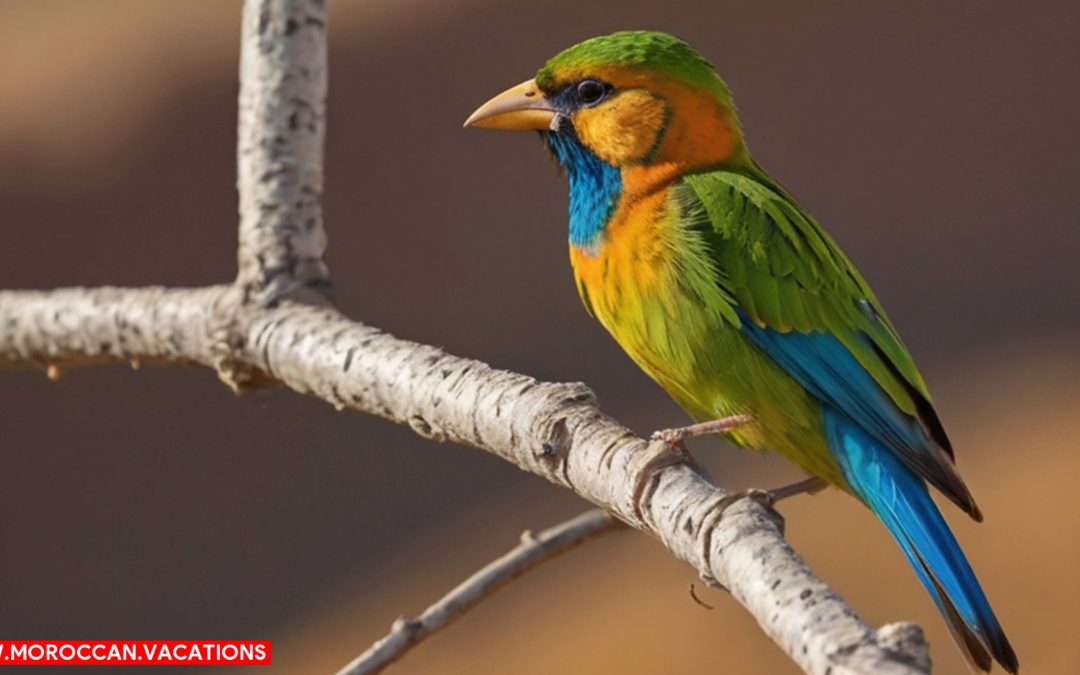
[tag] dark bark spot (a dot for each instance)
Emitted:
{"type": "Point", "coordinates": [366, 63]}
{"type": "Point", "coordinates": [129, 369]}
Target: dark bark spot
{"type": "Point", "coordinates": [558, 442]}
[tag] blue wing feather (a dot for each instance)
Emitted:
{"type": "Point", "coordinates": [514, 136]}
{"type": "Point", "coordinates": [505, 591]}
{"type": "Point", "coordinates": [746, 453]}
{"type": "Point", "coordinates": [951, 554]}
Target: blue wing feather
{"type": "Point", "coordinates": [828, 370]}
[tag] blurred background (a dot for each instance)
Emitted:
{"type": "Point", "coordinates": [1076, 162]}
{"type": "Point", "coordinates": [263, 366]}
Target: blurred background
{"type": "Point", "coordinates": [937, 142]}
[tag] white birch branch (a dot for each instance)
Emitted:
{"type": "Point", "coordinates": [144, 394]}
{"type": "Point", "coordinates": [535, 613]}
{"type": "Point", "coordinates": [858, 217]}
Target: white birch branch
{"type": "Point", "coordinates": [271, 326]}
{"type": "Point", "coordinates": [534, 549]}
{"type": "Point", "coordinates": [282, 123]}
{"type": "Point", "coordinates": [557, 431]}
{"type": "Point", "coordinates": [78, 326]}
{"type": "Point", "coordinates": [554, 430]}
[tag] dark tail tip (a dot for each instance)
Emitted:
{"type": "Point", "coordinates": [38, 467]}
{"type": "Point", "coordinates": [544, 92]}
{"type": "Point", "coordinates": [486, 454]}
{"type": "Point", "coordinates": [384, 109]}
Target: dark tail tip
{"type": "Point", "coordinates": [974, 511]}
{"type": "Point", "coordinates": [977, 647]}
{"type": "Point", "coordinates": [1004, 654]}
{"type": "Point", "coordinates": [978, 651]}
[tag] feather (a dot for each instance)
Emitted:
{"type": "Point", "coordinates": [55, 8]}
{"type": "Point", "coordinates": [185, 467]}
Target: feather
{"type": "Point", "coordinates": [897, 496]}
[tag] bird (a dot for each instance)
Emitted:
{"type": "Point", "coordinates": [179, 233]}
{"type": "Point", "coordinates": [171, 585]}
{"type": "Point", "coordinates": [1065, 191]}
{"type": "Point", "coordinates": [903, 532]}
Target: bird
{"type": "Point", "coordinates": [734, 299]}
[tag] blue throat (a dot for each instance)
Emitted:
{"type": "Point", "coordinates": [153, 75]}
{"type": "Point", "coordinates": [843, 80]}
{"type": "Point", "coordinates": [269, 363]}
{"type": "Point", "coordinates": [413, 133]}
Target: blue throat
{"type": "Point", "coordinates": [595, 186]}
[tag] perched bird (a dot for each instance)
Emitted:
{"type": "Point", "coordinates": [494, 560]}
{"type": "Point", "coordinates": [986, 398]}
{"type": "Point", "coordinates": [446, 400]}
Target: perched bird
{"type": "Point", "coordinates": [722, 288]}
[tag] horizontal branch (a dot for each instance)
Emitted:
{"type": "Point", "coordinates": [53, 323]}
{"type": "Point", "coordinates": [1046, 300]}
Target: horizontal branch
{"type": "Point", "coordinates": [533, 550]}
{"type": "Point", "coordinates": [84, 326]}
{"type": "Point", "coordinates": [557, 431]}
{"type": "Point", "coordinates": [554, 430]}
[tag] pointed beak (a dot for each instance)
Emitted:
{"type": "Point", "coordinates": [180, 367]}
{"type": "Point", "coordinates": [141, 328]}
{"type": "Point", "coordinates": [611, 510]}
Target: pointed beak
{"type": "Point", "coordinates": [520, 108]}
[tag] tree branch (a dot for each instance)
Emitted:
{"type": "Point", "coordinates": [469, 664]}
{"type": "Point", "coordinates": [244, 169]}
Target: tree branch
{"type": "Point", "coordinates": [79, 326]}
{"type": "Point", "coordinates": [554, 430]}
{"type": "Point", "coordinates": [406, 633]}
{"type": "Point", "coordinates": [557, 431]}
{"type": "Point", "coordinates": [281, 127]}
{"type": "Point", "coordinates": [272, 326]}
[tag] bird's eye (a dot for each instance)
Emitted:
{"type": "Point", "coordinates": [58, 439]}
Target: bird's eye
{"type": "Point", "coordinates": [591, 92]}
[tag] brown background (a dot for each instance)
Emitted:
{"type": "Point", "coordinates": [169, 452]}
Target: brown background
{"type": "Point", "coordinates": [938, 143]}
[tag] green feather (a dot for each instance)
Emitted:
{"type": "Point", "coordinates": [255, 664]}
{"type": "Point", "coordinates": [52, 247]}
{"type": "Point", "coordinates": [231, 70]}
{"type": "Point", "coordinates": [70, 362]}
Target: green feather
{"type": "Point", "coordinates": [788, 274]}
{"type": "Point", "coordinates": [647, 50]}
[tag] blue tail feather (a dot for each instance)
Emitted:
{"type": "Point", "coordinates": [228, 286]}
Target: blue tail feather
{"type": "Point", "coordinates": [900, 499]}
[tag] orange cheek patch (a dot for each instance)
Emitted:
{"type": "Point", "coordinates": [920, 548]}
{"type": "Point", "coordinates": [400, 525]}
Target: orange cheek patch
{"type": "Point", "coordinates": [623, 129]}
{"type": "Point", "coordinates": [702, 132]}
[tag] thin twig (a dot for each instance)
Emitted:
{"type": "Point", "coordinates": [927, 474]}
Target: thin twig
{"type": "Point", "coordinates": [406, 633]}
{"type": "Point", "coordinates": [695, 598]}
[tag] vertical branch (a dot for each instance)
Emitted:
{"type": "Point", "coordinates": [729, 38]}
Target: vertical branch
{"type": "Point", "coordinates": [280, 136]}
{"type": "Point", "coordinates": [282, 123]}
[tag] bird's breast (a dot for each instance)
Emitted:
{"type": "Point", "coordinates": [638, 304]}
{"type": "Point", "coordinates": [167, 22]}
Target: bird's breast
{"type": "Point", "coordinates": [628, 267]}
{"type": "Point", "coordinates": [630, 280]}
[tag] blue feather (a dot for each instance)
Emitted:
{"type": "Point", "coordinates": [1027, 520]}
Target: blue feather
{"type": "Point", "coordinates": [825, 367]}
{"type": "Point", "coordinates": [900, 499]}
{"type": "Point", "coordinates": [595, 185]}
{"type": "Point", "coordinates": [863, 429]}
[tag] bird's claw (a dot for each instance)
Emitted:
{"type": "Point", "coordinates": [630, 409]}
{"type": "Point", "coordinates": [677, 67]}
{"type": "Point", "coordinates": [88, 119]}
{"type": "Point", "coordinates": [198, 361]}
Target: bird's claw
{"type": "Point", "coordinates": [763, 497]}
{"type": "Point", "coordinates": [717, 426]}
{"type": "Point", "coordinates": [677, 453]}
{"type": "Point", "coordinates": [769, 498]}
{"type": "Point", "coordinates": [673, 437]}
{"type": "Point", "coordinates": [675, 440]}
{"type": "Point", "coordinates": [766, 498]}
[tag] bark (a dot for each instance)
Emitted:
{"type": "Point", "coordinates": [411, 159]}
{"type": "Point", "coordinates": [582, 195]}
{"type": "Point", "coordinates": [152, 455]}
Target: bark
{"type": "Point", "coordinates": [282, 123]}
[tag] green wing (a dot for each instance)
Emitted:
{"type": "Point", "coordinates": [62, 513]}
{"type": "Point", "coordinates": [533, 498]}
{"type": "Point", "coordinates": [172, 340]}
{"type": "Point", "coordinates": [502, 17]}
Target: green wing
{"type": "Point", "coordinates": [788, 276]}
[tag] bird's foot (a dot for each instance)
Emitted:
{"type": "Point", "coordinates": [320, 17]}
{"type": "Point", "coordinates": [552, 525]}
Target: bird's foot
{"type": "Point", "coordinates": [769, 498]}
{"type": "Point", "coordinates": [677, 453]}
{"type": "Point", "coordinates": [677, 435]}
{"type": "Point", "coordinates": [809, 486]}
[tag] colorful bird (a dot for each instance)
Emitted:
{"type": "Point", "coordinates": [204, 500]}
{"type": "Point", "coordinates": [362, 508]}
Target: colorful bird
{"type": "Point", "coordinates": [732, 297]}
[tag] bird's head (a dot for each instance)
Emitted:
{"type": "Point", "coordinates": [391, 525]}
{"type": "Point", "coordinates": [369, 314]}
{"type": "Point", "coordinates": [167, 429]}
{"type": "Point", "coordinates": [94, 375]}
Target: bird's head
{"type": "Point", "coordinates": [631, 99]}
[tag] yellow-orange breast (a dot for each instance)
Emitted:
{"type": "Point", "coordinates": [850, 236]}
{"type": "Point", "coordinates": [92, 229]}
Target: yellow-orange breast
{"type": "Point", "coordinates": [629, 264]}
{"type": "Point", "coordinates": [630, 281]}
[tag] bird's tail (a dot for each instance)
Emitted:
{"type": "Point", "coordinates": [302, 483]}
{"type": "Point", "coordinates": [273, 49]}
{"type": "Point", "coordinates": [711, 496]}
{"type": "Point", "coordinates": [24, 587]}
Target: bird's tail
{"type": "Point", "coordinates": [900, 499]}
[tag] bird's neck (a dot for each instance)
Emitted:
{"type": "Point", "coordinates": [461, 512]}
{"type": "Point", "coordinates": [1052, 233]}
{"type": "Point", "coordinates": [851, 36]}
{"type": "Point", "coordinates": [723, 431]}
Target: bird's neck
{"type": "Point", "coordinates": [598, 188]}
{"type": "Point", "coordinates": [595, 188]}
